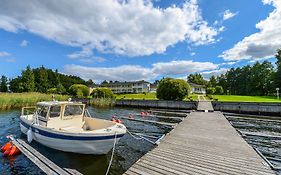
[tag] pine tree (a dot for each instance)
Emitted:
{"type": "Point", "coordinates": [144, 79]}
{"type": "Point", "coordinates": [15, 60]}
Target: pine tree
{"type": "Point", "coordinates": [28, 80]}
{"type": "Point", "coordinates": [3, 85]}
{"type": "Point", "coordinates": [212, 82]}
{"type": "Point", "coordinates": [278, 72]}
{"type": "Point", "coordinates": [43, 80]}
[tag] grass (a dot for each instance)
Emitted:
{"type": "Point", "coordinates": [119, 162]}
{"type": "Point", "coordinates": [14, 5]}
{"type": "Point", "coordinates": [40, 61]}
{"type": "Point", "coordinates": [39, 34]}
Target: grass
{"type": "Point", "coordinates": [17, 100]}
{"type": "Point", "coordinates": [147, 96]}
{"type": "Point", "coordinates": [241, 98]}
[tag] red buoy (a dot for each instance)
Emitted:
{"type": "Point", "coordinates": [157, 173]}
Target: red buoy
{"type": "Point", "coordinates": [14, 151]}
{"type": "Point", "coordinates": [7, 146]}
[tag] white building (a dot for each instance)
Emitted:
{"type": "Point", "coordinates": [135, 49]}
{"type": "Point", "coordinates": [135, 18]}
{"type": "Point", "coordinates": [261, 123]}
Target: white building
{"type": "Point", "coordinates": [197, 89]}
{"type": "Point", "coordinates": [128, 87]}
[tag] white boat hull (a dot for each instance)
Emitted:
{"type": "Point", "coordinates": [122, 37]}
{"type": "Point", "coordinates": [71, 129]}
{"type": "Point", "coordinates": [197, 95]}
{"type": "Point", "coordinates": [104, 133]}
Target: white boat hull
{"type": "Point", "coordinates": [67, 143]}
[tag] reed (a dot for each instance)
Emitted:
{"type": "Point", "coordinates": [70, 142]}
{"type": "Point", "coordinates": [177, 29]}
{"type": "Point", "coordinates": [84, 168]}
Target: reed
{"type": "Point", "coordinates": [103, 102]}
{"type": "Point", "coordinates": [18, 100]}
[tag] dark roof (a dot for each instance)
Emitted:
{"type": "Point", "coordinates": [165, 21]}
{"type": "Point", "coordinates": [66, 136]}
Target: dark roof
{"type": "Point", "coordinates": [195, 85]}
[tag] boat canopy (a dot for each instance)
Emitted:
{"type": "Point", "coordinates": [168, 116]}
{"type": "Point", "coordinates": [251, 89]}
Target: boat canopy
{"type": "Point", "coordinates": [54, 111]}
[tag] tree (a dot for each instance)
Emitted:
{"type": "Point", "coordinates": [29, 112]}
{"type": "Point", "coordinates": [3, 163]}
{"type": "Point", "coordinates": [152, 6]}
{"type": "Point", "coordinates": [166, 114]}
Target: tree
{"type": "Point", "coordinates": [27, 77]}
{"type": "Point", "coordinates": [79, 90]}
{"type": "Point", "coordinates": [16, 85]}
{"type": "Point", "coordinates": [3, 85]}
{"type": "Point", "coordinates": [172, 89]}
{"type": "Point", "coordinates": [197, 79]}
{"type": "Point", "coordinates": [102, 93]}
{"type": "Point", "coordinates": [212, 82]}
{"type": "Point", "coordinates": [219, 90]}
{"type": "Point", "coordinates": [90, 83]}
{"type": "Point", "coordinates": [42, 81]}
{"type": "Point", "coordinates": [104, 82]}
{"type": "Point", "coordinates": [277, 77]}
{"type": "Point", "coordinates": [210, 90]}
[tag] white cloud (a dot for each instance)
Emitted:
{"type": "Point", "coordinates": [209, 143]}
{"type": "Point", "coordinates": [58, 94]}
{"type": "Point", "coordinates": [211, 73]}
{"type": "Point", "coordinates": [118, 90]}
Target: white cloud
{"type": "Point", "coordinates": [262, 44]}
{"type": "Point", "coordinates": [24, 43]}
{"type": "Point", "coordinates": [228, 14]}
{"type": "Point", "coordinates": [121, 73]}
{"type": "Point", "coordinates": [216, 72]}
{"type": "Point", "coordinates": [127, 27]}
{"type": "Point", "coordinates": [136, 72]}
{"type": "Point", "coordinates": [4, 54]}
{"type": "Point", "coordinates": [228, 63]}
{"type": "Point", "coordinates": [182, 67]}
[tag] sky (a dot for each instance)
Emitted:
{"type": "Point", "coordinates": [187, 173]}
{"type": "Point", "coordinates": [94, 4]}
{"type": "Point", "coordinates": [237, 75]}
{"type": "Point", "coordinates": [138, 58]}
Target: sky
{"type": "Point", "coordinates": [129, 40]}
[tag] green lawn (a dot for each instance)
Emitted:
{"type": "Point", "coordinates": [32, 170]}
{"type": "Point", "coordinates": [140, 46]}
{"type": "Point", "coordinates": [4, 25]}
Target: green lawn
{"type": "Point", "coordinates": [148, 96]}
{"type": "Point", "coordinates": [240, 98]}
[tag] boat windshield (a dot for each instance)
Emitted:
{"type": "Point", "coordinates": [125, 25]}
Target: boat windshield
{"type": "Point", "coordinates": [55, 111]}
{"type": "Point", "coordinates": [72, 110]}
{"type": "Point", "coordinates": [42, 111]}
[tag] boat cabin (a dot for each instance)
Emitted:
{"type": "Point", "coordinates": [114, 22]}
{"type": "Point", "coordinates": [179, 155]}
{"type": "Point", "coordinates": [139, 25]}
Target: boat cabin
{"type": "Point", "coordinates": [49, 113]}
{"type": "Point", "coordinates": [65, 116]}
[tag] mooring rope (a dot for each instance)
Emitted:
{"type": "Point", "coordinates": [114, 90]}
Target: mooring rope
{"type": "Point", "coordinates": [140, 137]}
{"type": "Point", "coordinates": [112, 154]}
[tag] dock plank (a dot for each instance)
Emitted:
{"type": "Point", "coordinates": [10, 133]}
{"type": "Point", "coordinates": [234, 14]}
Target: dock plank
{"type": "Point", "coordinates": [204, 143]}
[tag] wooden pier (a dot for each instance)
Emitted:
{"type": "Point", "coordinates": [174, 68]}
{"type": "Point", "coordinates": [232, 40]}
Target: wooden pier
{"type": "Point", "coordinates": [41, 161]}
{"type": "Point", "coordinates": [204, 143]}
{"type": "Point", "coordinates": [205, 106]}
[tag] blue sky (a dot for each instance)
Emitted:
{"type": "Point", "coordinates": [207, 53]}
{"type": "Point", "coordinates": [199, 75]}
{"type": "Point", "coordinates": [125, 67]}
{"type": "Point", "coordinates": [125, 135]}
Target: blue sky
{"type": "Point", "coordinates": [140, 39]}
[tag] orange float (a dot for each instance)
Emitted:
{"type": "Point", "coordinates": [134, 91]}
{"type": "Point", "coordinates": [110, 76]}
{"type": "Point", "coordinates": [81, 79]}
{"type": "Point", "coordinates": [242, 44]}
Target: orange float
{"type": "Point", "coordinates": [7, 146]}
{"type": "Point", "coordinates": [14, 151]}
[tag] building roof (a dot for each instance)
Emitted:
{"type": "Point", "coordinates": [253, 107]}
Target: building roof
{"type": "Point", "coordinates": [124, 83]}
{"type": "Point", "coordinates": [196, 85]}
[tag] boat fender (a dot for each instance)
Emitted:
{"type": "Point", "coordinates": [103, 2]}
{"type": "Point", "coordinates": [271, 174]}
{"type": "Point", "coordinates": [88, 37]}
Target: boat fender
{"type": "Point", "coordinates": [29, 135]}
{"type": "Point", "coordinates": [14, 151]}
{"type": "Point", "coordinates": [6, 147]}
{"type": "Point", "coordinates": [7, 152]}
{"type": "Point", "coordinates": [119, 121]}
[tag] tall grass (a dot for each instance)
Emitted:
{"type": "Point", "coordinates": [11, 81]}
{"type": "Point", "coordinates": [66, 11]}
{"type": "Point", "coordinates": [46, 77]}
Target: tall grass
{"type": "Point", "coordinates": [18, 100]}
{"type": "Point", "coordinates": [103, 102]}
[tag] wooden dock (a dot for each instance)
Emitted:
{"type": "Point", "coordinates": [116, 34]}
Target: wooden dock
{"type": "Point", "coordinates": [204, 143]}
{"type": "Point", "coordinates": [205, 106]}
{"type": "Point", "coordinates": [41, 161]}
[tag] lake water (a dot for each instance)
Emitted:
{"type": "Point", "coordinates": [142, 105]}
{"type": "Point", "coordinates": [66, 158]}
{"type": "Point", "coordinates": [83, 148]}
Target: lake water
{"type": "Point", "coordinates": [268, 146]}
{"type": "Point", "coordinates": [128, 149]}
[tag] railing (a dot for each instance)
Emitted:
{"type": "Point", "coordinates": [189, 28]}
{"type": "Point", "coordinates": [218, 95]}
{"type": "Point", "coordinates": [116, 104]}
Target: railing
{"type": "Point", "coordinates": [28, 110]}
{"type": "Point", "coordinates": [87, 114]}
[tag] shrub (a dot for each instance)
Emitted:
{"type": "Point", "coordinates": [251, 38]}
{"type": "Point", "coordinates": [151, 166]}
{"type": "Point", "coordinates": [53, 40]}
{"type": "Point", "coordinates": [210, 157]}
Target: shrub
{"type": "Point", "coordinates": [210, 90]}
{"type": "Point", "coordinates": [79, 90]}
{"type": "Point", "coordinates": [219, 90]}
{"type": "Point", "coordinates": [102, 93]}
{"type": "Point", "coordinates": [172, 89]}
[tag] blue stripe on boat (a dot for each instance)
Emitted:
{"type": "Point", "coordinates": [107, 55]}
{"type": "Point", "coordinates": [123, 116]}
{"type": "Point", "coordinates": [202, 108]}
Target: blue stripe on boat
{"type": "Point", "coordinates": [68, 137]}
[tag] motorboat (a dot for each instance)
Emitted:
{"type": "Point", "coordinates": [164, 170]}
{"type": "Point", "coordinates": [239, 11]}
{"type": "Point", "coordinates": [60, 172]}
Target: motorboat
{"type": "Point", "coordinates": [68, 126]}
